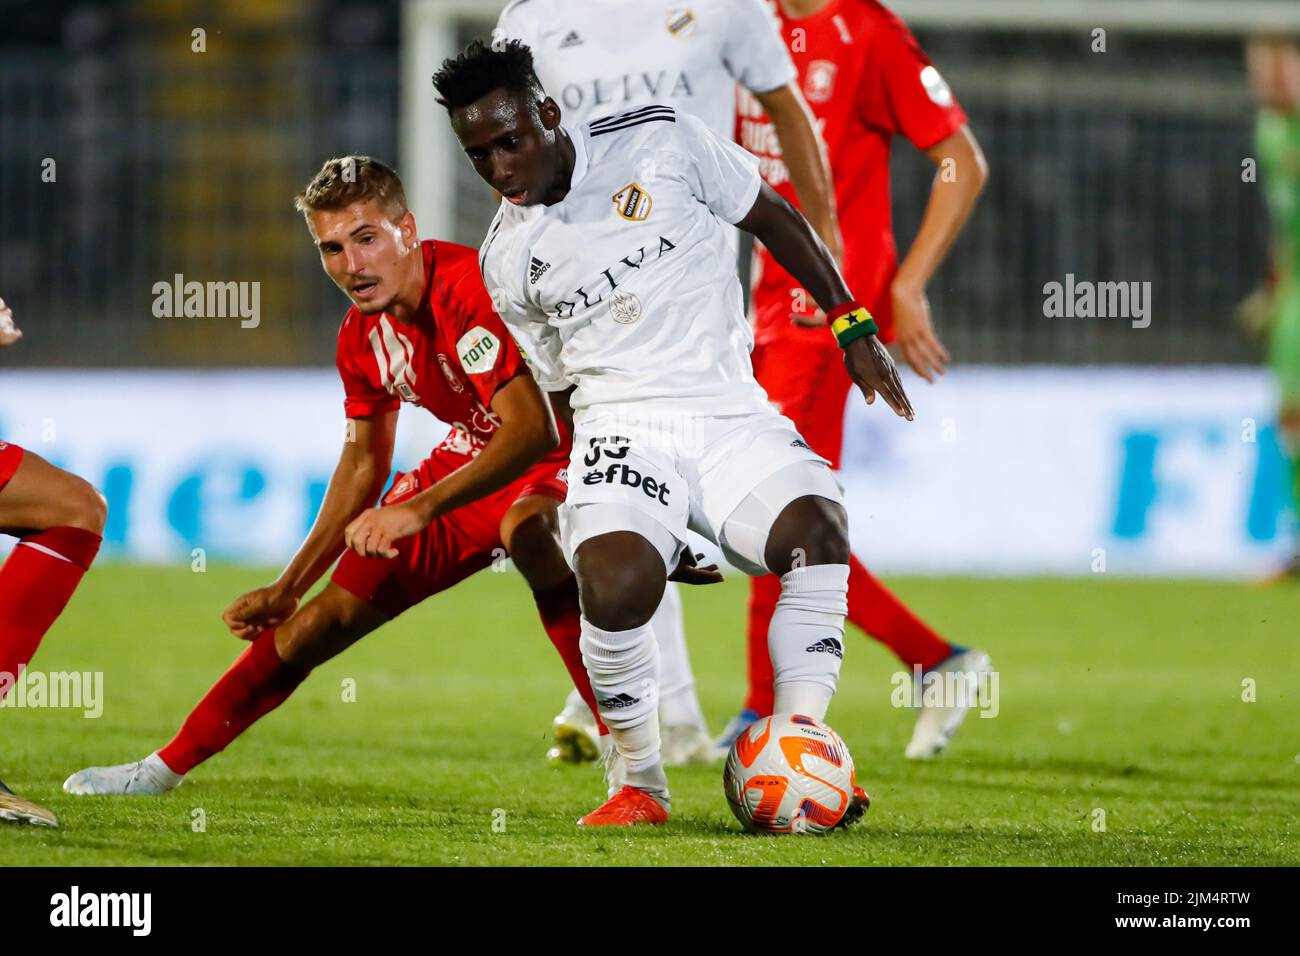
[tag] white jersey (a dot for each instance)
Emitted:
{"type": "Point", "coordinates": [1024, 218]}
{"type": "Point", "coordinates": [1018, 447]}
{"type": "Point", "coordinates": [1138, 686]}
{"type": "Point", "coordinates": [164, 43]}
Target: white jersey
{"type": "Point", "coordinates": [626, 288]}
{"type": "Point", "coordinates": [601, 57]}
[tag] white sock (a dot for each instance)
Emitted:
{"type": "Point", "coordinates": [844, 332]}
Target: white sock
{"type": "Point", "coordinates": [678, 704]}
{"type": "Point", "coordinates": [623, 667]}
{"type": "Point", "coordinates": [806, 638]}
{"type": "Point", "coordinates": [161, 773]}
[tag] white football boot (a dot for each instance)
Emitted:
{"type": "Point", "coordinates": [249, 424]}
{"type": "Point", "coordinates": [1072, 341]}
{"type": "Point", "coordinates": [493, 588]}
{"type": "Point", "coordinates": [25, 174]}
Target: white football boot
{"type": "Point", "coordinates": [684, 745]}
{"type": "Point", "coordinates": [936, 725]}
{"type": "Point", "coordinates": [149, 777]}
{"type": "Point", "coordinates": [574, 735]}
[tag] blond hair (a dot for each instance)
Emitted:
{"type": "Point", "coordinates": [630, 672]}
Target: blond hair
{"type": "Point", "coordinates": [348, 179]}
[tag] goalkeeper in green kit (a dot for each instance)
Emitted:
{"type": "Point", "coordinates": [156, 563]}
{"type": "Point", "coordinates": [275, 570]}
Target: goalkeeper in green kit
{"type": "Point", "coordinates": [1274, 66]}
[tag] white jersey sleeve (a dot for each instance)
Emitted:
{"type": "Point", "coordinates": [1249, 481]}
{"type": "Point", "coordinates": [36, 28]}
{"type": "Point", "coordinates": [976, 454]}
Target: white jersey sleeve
{"type": "Point", "coordinates": [721, 174]}
{"type": "Point", "coordinates": [503, 277]}
{"type": "Point", "coordinates": [753, 50]}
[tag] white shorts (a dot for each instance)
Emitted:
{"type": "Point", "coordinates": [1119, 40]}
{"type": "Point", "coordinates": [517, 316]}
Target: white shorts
{"type": "Point", "coordinates": [667, 471]}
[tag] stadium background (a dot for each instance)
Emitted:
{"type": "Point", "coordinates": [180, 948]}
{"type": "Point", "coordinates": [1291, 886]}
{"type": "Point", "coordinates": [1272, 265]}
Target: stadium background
{"type": "Point", "coordinates": [1061, 446]}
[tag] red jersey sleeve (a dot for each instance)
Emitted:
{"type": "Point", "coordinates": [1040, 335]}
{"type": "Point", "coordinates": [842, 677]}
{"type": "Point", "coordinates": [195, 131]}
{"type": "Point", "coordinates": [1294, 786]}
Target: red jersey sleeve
{"type": "Point", "coordinates": [362, 394]}
{"type": "Point", "coordinates": [902, 92]}
{"type": "Point", "coordinates": [485, 349]}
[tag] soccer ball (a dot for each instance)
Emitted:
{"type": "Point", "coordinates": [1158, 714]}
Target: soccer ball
{"type": "Point", "coordinates": [789, 774]}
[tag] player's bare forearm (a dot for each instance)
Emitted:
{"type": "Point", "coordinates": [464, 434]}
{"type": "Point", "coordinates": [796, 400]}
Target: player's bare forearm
{"type": "Point", "coordinates": [796, 246]}
{"type": "Point", "coordinates": [359, 477]}
{"type": "Point", "coordinates": [961, 175]}
{"type": "Point", "coordinates": [527, 432]}
{"type": "Point", "coordinates": [960, 178]}
{"type": "Point", "coordinates": [805, 158]}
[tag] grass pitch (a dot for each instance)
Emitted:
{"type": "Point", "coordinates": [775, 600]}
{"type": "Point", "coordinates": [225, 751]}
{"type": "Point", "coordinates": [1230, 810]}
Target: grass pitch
{"type": "Point", "coordinates": [1117, 696]}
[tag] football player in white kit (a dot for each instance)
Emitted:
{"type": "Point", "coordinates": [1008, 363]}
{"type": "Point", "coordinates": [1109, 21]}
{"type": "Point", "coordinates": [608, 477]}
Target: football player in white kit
{"type": "Point", "coordinates": [610, 257]}
{"type": "Point", "coordinates": [690, 58]}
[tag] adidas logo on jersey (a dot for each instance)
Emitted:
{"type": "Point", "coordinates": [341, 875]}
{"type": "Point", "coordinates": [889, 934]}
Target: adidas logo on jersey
{"type": "Point", "coordinates": [799, 443]}
{"type": "Point", "coordinates": [827, 645]}
{"type": "Point", "coordinates": [571, 39]}
{"type": "Point", "coordinates": [536, 269]}
{"type": "Point", "coordinates": [618, 700]}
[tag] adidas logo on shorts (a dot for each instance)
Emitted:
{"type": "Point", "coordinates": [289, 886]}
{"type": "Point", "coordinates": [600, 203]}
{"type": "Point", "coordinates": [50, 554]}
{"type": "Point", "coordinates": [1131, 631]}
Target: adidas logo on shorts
{"type": "Point", "coordinates": [619, 700]}
{"type": "Point", "coordinates": [827, 645]}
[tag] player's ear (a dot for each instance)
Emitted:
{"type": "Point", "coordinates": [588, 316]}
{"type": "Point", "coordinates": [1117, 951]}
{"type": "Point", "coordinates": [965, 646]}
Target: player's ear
{"type": "Point", "coordinates": [550, 114]}
{"type": "Point", "coordinates": [407, 226]}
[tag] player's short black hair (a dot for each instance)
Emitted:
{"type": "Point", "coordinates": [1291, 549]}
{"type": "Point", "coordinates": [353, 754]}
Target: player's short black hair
{"type": "Point", "coordinates": [481, 68]}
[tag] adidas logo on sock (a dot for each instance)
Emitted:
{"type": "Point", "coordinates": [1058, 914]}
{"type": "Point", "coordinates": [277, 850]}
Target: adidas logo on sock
{"type": "Point", "coordinates": [535, 270]}
{"type": "Point", "coordinates": [571, 39]}
{"type": "Point", "coordinates": [619, 700]}
{"type": "Point", "coordinates": [827, 645]}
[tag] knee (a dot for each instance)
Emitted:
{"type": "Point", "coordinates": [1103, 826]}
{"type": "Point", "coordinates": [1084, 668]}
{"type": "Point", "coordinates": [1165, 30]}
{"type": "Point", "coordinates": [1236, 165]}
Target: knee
{"type": "Point", "coordinates": [535, 549]}
{"type": "Point", "coordinates": [86, 508]}
{"type": "Point", "coordinates": [620, 583]}
{"type": "Point", "coordinates": [318, 631]}
{"type": "Point", "coordinates": [809, 531]}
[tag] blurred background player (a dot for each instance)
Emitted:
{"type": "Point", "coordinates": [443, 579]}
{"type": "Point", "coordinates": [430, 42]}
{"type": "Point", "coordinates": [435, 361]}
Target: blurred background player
{"type": "Point", "coordinates": [601, 57]}
{"type": "Point", "coordinates": [1274, 66]}
{"type": "Point", "coordinates": [421, 330]}
{"type": "Point", "coordinates": [58, 520]}
{"type": "Point", "coordinates": [867, 80]}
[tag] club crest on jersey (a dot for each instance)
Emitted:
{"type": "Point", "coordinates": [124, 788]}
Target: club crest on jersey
{"type": "Point", "coordinates": [450, 374]}
{"type": "Point", "coordinates": [632, 203]}
{"type": "Point", "coordinates": [478, 349]}
{"type": "Point", "coordinates": [681, 22]}
{"type": "Point", "coordinates": [820, 81]}
{"type": "Point", "coordinates": [624, 307]}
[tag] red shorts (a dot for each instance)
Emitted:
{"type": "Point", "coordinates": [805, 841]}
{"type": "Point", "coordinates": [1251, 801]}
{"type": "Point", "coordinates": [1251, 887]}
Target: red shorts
{"type": "Point", "coordinates": [803, 372]}
{"type": "Point", "coordinates": [450, 549]}
{"type": "Point", "coordinates": [11, 456]}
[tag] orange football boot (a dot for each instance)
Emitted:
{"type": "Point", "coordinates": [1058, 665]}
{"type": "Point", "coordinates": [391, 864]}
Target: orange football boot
{"type": "Point", "coordinates": [626, 808]}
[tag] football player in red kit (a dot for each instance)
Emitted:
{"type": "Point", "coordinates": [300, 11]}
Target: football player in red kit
{"type": "Point", "coordinates": [421, 330]}
{"type": "Point", "coordinates": [867, 81]}
{"type": "Point", "coordinates": [59, 521]}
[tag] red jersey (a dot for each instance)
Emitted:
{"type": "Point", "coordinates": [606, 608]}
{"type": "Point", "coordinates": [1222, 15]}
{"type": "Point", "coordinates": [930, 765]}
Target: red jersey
{"type": "Point", "coordinates": [449, 358]}
{"type": "Point", "coordinates": [866, 80]}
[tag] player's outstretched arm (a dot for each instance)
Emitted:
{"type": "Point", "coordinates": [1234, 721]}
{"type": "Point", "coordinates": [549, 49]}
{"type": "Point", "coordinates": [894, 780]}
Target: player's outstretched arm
{"type": "Point", "coordinates": [526, 433]}
{"type": "Point", "coordinates": [9, 333]}
{"type": "Point", "coordinates": [359, 477]}
{"type": "Point", "coordinates": [960, 177]}
{"type": "Point", "coordinates": [795, 245]}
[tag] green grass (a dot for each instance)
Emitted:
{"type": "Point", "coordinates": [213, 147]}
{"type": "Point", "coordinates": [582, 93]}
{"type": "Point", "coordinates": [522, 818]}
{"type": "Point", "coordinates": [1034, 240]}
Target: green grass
{"type": "Point", "coordinates": [1119, 695]}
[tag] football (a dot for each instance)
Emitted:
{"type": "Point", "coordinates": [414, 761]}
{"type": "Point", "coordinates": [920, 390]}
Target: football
{"type": "Point", "coordinates": [789, 774]}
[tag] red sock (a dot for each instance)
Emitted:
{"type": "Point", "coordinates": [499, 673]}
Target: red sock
{"type": "Point", "coordinates": [256, 684]}
{"type": "Point", "coordinates": [872, 607]}
{"type": "Point", "coordinates": [562, 617]}
{"type": "Point", "coordinates": [875, 609]}
{"type": "Point", "coordinates": [763, 595]}
{"type": "Point", "coordinates": [36, 584]}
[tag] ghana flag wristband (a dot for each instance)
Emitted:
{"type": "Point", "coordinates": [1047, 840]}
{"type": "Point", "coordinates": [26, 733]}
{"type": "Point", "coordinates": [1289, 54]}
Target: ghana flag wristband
{"type": "Point", "coordinates": [850, 322]}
